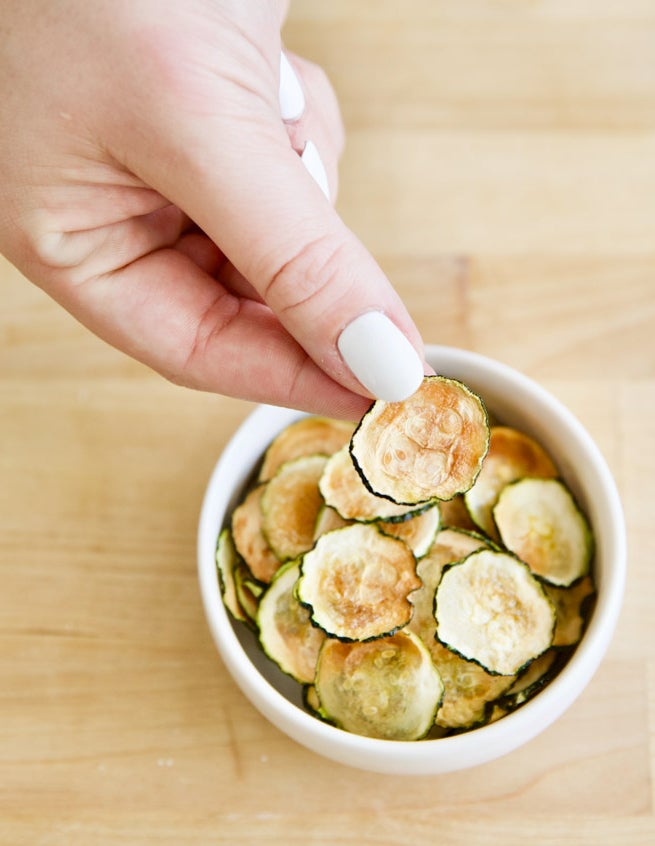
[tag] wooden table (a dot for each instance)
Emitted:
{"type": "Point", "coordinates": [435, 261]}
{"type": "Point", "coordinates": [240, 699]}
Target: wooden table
{"type": "Point", "coordinates": [501, 165]}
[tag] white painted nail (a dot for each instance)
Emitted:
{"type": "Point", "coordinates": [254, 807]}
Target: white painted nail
{"type": "Point", "coordinates": [292, 100]}
{"type": "Point", "coordinates": [315, 167]}
{"type": "Point", "coordinates": [381, 357]}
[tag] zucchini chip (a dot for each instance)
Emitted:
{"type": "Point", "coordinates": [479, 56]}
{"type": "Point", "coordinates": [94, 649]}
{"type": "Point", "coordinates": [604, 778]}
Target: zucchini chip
{"type": "Point", "coordinates": [356, 582]}
{"type": "Point", "coordinates": [539, 521]}
{"type": "Point", "coordinates": [468, 688]}
{"type": "Point", "coordinates": [311, 701]}
{"type": "Point", "coordinates": [249, 538]}
{"type": "Point", "coordinates": [327, 521]}
{"type": "Point", "coordinates": [455, 514]}
{"type": "Point", "coordinates": [532, 680]}
{"type": "Point", "coordinates": [290, 506]}
{"type": "Point", "coordinates": [497, 712]}
{"type": "Point", "coordinates": [343, 489]}
{"type": "Point", "coordinates": [449, 546]}
{"type": "Point", "coordinates": [386, 688]}
{"type": "Point", "coordinates": [418, 532]}
{"type": "Point", "coordinates": [430, 446]}
{"type": "Point", "coordinates": [248, 591]}
{"type": "Point", "coordinates": [491, 609]}
{"type": "Point", "coordinates": [571, 605]}
{"type": "Point", "coordinates": [307, 436]}
{"type": "Point", "coordinates": [286, 633]}
{"type": "Point", "coordinates": [512, 455]}
{"type": "Point", "coordinates": [227, 562]}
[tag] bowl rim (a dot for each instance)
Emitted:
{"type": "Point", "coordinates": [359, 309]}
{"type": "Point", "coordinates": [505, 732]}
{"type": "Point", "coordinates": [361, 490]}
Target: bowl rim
{"type": "Point", "coordinates": [456, 751]}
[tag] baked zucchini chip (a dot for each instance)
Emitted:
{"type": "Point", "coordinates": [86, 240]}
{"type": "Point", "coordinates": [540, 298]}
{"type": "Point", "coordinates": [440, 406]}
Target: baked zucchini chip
{"type": "Point", "coordinates": [311, 701]}
{"type": "Point", "coordinates": [491, 609]}
{"type": "Point", "coordinates": [386, 688]}
{"type": "Point", "coordinates": [450, 545]}
{"type": "Point", "coordinates": [290, 506]}
{"type": "Point", "coordinates": [430, 446]}
{"type": "Point", "coordinates": [327, 521]}
{"type": "Point", "coordinates": [342, 488]}
{"type": "Point", "coordinates": [356, 582]}
{"type": "Point", "coordinates": [248, 591]}
{"type": "Point", "coordinates": [307, 436]}
{"type": "Point", "coordinates": [227, 562]}
{"type": "Point", "coordinates": [571, 605]}
{"type": "Point", "coordinates": [539, 521]}
{"type": "Point", "coordinates": [286, 633]}
{"type": "Point", "coordinates": [512, 455]}
{"type": "Point", "coordinates": [249, 539]}
{"type": "Point", "coordinates": [455, 514]}
{"type": "Point", "coordinates": [418, 531]}
{"type": "Point", "coordinates": [468, 689]}
{"type": "Point", "coordinates": [532, 680]}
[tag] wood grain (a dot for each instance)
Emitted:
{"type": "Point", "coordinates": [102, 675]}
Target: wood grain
{"type": "Point", "coordinates": [500, 164]}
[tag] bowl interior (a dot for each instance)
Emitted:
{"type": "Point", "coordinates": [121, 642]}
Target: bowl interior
{"type": "Point", "coordinates": [511, 399]}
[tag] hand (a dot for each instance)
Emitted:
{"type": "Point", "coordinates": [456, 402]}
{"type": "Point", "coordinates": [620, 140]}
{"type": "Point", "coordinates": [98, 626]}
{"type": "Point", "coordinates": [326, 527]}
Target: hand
{"type": "Point", "coordinates": [151, 186]}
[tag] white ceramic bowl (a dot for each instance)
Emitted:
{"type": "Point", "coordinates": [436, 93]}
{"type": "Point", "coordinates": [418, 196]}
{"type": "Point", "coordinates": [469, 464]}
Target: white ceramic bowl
{"type": "Point", "coordinates": [516, 401]}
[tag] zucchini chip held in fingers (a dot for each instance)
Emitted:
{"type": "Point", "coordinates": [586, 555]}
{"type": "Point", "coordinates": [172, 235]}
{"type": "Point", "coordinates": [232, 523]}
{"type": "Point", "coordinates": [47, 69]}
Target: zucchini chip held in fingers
{"type": "Point", "coordinates": [430, 446]}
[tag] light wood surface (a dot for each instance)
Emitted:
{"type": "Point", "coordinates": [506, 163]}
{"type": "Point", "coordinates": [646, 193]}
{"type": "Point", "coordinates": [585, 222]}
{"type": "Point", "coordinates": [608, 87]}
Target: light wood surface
{"type": "Point", "coordinates": [500, 164]}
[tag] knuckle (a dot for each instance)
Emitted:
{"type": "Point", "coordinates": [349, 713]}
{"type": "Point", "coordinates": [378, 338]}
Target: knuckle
{"type": "Point", "coordinates": [310, 282]}
{"type": "Point", "coordinates": [222, 311]}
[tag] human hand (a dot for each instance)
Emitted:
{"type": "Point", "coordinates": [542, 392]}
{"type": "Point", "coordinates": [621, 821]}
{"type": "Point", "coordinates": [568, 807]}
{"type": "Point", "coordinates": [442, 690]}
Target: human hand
{"type": "Point", "coordinates": [151, 186]}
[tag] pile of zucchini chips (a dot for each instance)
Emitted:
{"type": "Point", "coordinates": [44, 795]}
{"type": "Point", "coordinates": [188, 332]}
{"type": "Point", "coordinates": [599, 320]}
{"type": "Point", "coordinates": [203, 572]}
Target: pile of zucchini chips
{"type": "Point", "coordinates": [420, 574]}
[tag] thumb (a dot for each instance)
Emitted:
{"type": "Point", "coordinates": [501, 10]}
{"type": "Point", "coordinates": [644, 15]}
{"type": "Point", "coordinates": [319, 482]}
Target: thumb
{"type": "Point", "coordinates": [327, 290]}
{"type": "Point", "coordinates": [266, 207]}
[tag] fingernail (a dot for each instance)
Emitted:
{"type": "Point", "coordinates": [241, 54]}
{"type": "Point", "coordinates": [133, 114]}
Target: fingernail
{"type": "Point", "coordinates": [381, 357]}
{"type": "Point", "coordinates": [314, 165]}
{"type": "Point", "coordinates": [292, 100]}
